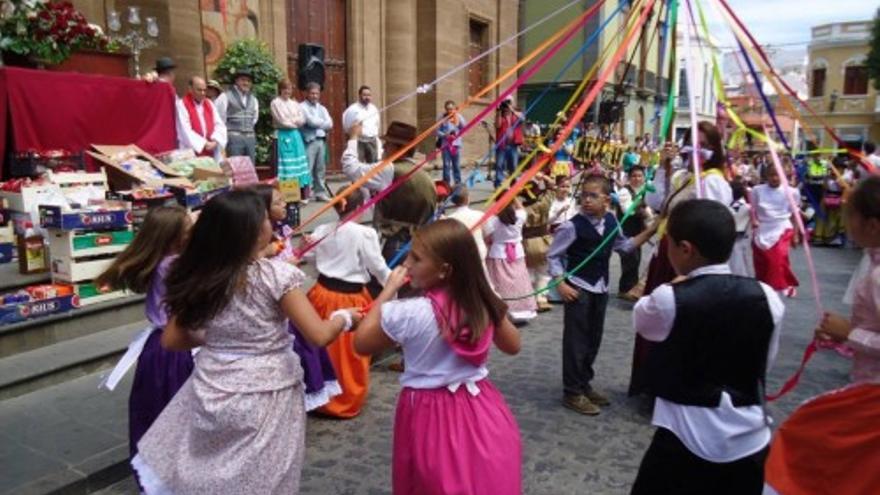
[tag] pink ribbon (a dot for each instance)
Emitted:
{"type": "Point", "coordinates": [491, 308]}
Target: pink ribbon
{"type": "Point", "coordinates": [448, 320]}
{"type": "Point", "coordinates": [576, 29]}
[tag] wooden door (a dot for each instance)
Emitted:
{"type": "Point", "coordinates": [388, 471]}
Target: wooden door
{"type": "Point", "coordinates": [322, 22]}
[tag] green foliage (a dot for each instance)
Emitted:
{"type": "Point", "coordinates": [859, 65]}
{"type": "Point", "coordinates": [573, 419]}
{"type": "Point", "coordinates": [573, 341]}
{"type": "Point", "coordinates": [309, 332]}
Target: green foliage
{"type": "Point", "coordinates": [873, 61]}
{"type": "Point", "coordinates": [254, 55]}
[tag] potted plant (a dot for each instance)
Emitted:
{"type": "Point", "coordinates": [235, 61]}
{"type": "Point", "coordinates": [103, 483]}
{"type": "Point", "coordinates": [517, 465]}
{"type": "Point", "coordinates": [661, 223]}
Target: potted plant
{"type": "Point", "coordinates": [40, 32]}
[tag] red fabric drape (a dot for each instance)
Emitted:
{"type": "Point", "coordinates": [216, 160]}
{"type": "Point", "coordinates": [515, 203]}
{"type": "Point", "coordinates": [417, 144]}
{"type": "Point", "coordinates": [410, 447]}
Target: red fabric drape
{"type": "Point", "coordinates": [71, 111]}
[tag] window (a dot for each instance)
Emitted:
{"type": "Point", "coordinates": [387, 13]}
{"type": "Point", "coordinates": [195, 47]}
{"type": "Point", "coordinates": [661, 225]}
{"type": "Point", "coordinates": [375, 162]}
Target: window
{"type": "Point", "coordinates": [855, 80]}
{"type": "Point", "coordinates": [478, 73]}
{"type": "Point", "coordinates": [818, 87]}
{"type": "Point", "coordinates": [683, 98]}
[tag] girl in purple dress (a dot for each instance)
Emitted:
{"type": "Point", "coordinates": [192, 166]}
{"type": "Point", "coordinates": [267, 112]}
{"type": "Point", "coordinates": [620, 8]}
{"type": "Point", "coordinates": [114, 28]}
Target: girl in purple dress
{"type": "Point", "coordinates": [141, 268]}
{"type": "Point", "coordinates": [319, 377]}
{"type": "Point", "coordinates": [453, 431]}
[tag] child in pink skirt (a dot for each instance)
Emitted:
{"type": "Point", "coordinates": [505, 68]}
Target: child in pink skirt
{"type": "Point", "coordinates": [453, 431]}
{"type": "Point", "coordinates": [506, 261]}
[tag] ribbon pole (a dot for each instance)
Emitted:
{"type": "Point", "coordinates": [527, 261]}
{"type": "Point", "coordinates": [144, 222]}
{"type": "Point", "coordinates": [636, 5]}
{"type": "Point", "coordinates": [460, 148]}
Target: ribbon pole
{"type": "Point", "coordinates": [689, 74]}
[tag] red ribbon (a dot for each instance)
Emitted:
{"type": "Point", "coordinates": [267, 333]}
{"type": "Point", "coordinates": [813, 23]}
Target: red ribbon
{"type": "Point", "coordinates": [793, 380]}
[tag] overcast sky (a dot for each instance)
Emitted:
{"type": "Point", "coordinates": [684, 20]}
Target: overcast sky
{"type": "Point", "coordinates": [789, 21]}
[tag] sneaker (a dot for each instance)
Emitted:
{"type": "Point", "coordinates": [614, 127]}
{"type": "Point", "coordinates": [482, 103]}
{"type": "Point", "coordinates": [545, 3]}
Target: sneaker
{"type": "Point", "coordinates": [581, 404]}
{"type": "Point", "coordinates": [597, 398]}
{"type": "Point", "coordinates": [303, 202]}
{"type": "Point", "coordinates": [322, 198]}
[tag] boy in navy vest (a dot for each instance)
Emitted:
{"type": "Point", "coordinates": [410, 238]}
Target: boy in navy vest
{"type": "Point", "coordinates": [716, 335]}
{"type": "Point", "coordinates": [585, 291]}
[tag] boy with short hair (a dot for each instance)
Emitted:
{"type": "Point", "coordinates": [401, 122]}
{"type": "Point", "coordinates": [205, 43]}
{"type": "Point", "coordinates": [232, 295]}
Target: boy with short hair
{"type": "Point", "coordinates": [585, 291]}
{"type": "Point", "coordinates": [716, 335]}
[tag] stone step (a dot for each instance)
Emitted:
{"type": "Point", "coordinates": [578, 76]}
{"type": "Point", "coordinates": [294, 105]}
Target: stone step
{"type": "Point", "coordinates": [69, 438]}
{"type": "Point", "coordinates": [53, 329]}
{"type": "Point", "coordinates": [52, 364]}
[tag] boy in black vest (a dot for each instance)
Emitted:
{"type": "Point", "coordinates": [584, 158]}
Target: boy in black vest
{"type": "Point", "coordinates": [585, 291]}
{"type": "Point", "coordinates": [716, 335]}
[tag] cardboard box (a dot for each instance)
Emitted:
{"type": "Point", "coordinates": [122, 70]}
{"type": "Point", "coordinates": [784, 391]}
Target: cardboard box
{"type": "Point", "coordinates": [121, 179]}
{"type": "Point", "coordinates": [32, 255]}
{"type": "Point", "coordinates": [116, 216]}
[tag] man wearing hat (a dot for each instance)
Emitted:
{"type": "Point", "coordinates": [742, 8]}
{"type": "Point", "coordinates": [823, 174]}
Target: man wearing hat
{"type": "Point", "coordinates": [407, 207]}
{"type": "Point", "coordinates": [214, 89]}
{"type": "Point", "coordinates": [238, 107]}
{"type": "Point", "coordinates": [363, 111]}
{"type": "Point", "coordinates": [165, 70]}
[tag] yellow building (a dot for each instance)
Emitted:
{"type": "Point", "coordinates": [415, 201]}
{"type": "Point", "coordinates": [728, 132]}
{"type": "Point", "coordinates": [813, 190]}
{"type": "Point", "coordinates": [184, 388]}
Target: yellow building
{"type": "Point", "coordinates": [838, 85]}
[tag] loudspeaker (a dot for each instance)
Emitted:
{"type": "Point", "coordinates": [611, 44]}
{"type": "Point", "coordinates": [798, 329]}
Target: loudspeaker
{"type": "Point", "coordinates": [610, 112]}
{"type": "Point", "coordinates": [311, 65]}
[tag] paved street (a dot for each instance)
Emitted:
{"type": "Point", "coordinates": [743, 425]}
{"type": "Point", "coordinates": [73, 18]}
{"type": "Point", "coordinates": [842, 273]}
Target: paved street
{"type": "Point", "coordinates": [563, 451]}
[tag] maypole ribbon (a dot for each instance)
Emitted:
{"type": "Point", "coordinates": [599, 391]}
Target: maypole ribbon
{"type": "Point", "coordinates": [608, 238]}
{"type": "Point", "coordinates": [689, 70]}
{"type": "Point", "coordinates": [865, 163]}
{"type": "Point", "coordinates": [360, 182]}
{"type": "Point", "coordinates": [529, 174]}
{"type": "Point", "coordinates": [673, 73]}
{"type": "Point", "coordinates": [398, 256]}
{"type": "Point", "coordinates": [424, 88]}
{"type": "Point", "coordinates": [560, 115]}
{"type": "Point", "coordinates": [470, 125]}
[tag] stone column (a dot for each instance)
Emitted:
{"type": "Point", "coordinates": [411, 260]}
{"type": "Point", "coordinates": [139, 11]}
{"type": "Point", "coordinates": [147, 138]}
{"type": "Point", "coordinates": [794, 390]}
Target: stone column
{"type": "Point", "coordinates": [400, 60]}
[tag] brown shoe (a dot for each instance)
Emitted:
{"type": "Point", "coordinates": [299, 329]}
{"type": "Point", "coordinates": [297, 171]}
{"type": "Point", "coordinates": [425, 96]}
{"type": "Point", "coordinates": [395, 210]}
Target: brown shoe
{"type": "Point", "coordinates": [544, 306]}
{"type": "Point", "coordinates": [597, 398]}
{"type": "Point", "coordinates": [580, 403]}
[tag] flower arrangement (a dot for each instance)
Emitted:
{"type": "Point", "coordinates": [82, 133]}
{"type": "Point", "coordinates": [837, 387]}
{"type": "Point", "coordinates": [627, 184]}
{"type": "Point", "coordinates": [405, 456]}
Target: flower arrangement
{"type": "Point", "coordinates": [47, 31]}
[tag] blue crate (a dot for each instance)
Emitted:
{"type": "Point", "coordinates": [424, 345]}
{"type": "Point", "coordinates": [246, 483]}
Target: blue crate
{"type": "Point", "coordinates": [53, 217]}
{"type": "Point", "coordinates": [7, 249]}
{"type": "Point", "coordinates": [13, 313]}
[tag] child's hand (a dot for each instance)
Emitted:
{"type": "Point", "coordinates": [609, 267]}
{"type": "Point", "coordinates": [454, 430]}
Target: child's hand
{"type": "Point", "coordinates": [356, 315]}
{"type": "Point", "coordinates": [567, 292]}
{"type": "Point", "coordinates": [834, 327]}
{"type": "Point", "coordinates": [397, 279]}
{"type": "Point", "coordinates": [305, 240]}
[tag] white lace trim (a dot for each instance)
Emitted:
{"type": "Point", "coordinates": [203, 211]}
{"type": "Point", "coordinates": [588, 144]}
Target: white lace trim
{"type": "Point", "coordinates": [150, 482]}
{"type": "Point", "coordinates": [320, 398]}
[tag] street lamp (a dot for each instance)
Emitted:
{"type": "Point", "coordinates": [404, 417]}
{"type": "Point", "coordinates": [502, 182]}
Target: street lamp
{"type": "Point", "coordinates": [138, 35]}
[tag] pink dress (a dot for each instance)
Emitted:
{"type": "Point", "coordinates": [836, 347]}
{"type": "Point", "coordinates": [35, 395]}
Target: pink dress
{"type": "Point", "coordinates": [453, 431]}
{"type": "Point", "coordinates": [865, 336]}
{"type": "Point", "coordinates": [237, 426]}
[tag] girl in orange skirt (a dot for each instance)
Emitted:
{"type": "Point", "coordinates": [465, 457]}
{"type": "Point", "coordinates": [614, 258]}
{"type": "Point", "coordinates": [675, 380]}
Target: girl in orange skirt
{"type": "Point", "coordinates": [345, 260]}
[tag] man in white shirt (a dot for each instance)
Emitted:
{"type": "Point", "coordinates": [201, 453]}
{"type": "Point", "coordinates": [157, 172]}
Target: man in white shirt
{"type": "Point", "coordinates": [199, 126]}
{"type": "Point", "coordinates": [363, 111]}
{"type": "Point", "coordinates": [715, 335]}
{"type": "Point", "coordinates": [461, 211]}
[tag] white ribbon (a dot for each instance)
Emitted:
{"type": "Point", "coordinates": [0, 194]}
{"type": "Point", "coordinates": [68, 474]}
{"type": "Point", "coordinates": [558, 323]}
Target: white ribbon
{"type": "Point", "coordinates": [470, 385]}
{"type": "Point", "coordinates": [127, 361]}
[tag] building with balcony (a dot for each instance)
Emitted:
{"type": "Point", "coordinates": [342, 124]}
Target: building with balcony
{"type": "Point", "coordinates": [701, 83]}
{"type": "Point", "coordinates": [629, 99]}
{"type": "Point", "coordinates": [838, 86]}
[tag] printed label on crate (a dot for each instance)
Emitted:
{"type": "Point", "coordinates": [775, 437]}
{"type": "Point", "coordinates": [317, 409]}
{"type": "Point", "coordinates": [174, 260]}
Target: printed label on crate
{"type": "Point", "coordinates": [53, 217]}
{"type": "Point", "coordinates": [103, 239]}
{"type": "Point", "coordinates": [12, 313]}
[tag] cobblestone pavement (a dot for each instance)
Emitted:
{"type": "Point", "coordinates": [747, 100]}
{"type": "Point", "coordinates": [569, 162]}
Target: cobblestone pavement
{"type": "Point", "coordinates": [566, 453]}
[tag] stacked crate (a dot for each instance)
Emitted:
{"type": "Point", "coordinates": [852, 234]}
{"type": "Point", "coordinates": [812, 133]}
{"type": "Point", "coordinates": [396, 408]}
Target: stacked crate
{"type": "Point", "coordinates": [84, 243]}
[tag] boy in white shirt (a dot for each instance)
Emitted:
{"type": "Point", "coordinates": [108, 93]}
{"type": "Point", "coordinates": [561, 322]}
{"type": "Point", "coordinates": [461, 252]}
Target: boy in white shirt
{"type": "Point", "coordinates": [716, 335]}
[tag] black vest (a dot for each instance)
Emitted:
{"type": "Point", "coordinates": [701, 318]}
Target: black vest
{"type": "Point", "coordinates": [718, 342]}
{"type": "Point", "coordinates": [587, 240]}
